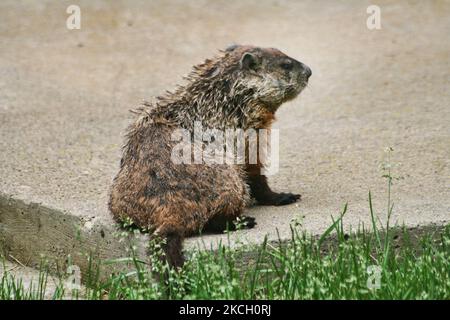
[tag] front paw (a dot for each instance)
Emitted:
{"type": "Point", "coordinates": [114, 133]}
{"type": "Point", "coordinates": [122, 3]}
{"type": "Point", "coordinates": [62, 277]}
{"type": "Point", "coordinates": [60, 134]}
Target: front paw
{"type": "Point", "coordinates": [281, 199]}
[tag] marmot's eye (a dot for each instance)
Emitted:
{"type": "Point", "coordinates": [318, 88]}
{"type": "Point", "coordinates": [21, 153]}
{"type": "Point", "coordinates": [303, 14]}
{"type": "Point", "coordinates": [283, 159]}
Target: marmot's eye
{"type": "Point", "coordinates": [286, 65]}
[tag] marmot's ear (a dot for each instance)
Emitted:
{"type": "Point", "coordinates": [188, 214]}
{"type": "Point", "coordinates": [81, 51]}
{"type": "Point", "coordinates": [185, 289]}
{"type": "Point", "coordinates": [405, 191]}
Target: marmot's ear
{"type": "Point", "coordinates": [249, 61]}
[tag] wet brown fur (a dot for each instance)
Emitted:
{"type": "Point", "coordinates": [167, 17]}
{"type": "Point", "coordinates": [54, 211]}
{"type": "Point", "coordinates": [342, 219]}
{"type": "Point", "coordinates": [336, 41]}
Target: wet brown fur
{"type": "Point", "coordinates": [240, 88]}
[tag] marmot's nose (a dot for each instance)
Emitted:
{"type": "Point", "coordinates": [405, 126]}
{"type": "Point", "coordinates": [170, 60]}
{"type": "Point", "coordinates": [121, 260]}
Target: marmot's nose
{"type": "Point", "coordinates": [306, 71]}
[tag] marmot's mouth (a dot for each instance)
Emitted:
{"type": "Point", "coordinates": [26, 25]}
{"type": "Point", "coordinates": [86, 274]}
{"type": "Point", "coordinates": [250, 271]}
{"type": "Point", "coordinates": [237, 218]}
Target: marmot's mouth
{"type": "Point", "coordinates": [296, 89]}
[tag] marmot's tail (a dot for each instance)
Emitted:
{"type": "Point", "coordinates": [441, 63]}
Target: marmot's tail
{"type": "Point", "coordinates": [173, 250]}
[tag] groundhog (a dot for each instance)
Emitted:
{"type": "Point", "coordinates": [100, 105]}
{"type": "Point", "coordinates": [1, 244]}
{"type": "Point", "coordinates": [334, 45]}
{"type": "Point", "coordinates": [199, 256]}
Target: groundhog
{"type": "Point", "coordinates": [241, 87]}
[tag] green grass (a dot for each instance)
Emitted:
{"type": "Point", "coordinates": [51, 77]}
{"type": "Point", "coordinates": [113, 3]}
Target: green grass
{"type": "Point", "coordinates": [335, 265]}
{"type": "Point", "coordinates": [304, 268]}
{"type": "Point", "coordinates": [307, 268]}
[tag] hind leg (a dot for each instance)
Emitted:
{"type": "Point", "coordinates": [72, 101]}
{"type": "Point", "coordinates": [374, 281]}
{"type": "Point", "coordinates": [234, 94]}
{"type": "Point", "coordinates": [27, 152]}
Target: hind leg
{"type": "Point", "coordinates": [222, 223]}
{"type": "Point", "coordinates": [178, 218]}
{"type": "Point", "coordinates": [227, 214]}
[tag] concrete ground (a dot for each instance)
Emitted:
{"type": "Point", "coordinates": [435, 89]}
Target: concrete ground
{"type": "Point", "coordinates": [65, 96]}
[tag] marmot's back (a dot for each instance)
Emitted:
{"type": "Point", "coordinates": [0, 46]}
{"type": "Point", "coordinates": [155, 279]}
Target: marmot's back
{"type": "Point", "coordinates": [150, 188]}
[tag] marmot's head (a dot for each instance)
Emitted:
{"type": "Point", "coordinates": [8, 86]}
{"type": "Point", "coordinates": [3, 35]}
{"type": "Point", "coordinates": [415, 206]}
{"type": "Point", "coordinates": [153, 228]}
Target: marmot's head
{"type": "Point", "coordinates": [272, 76]}
{"type": "Point", "coordinates": [243, 85]}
